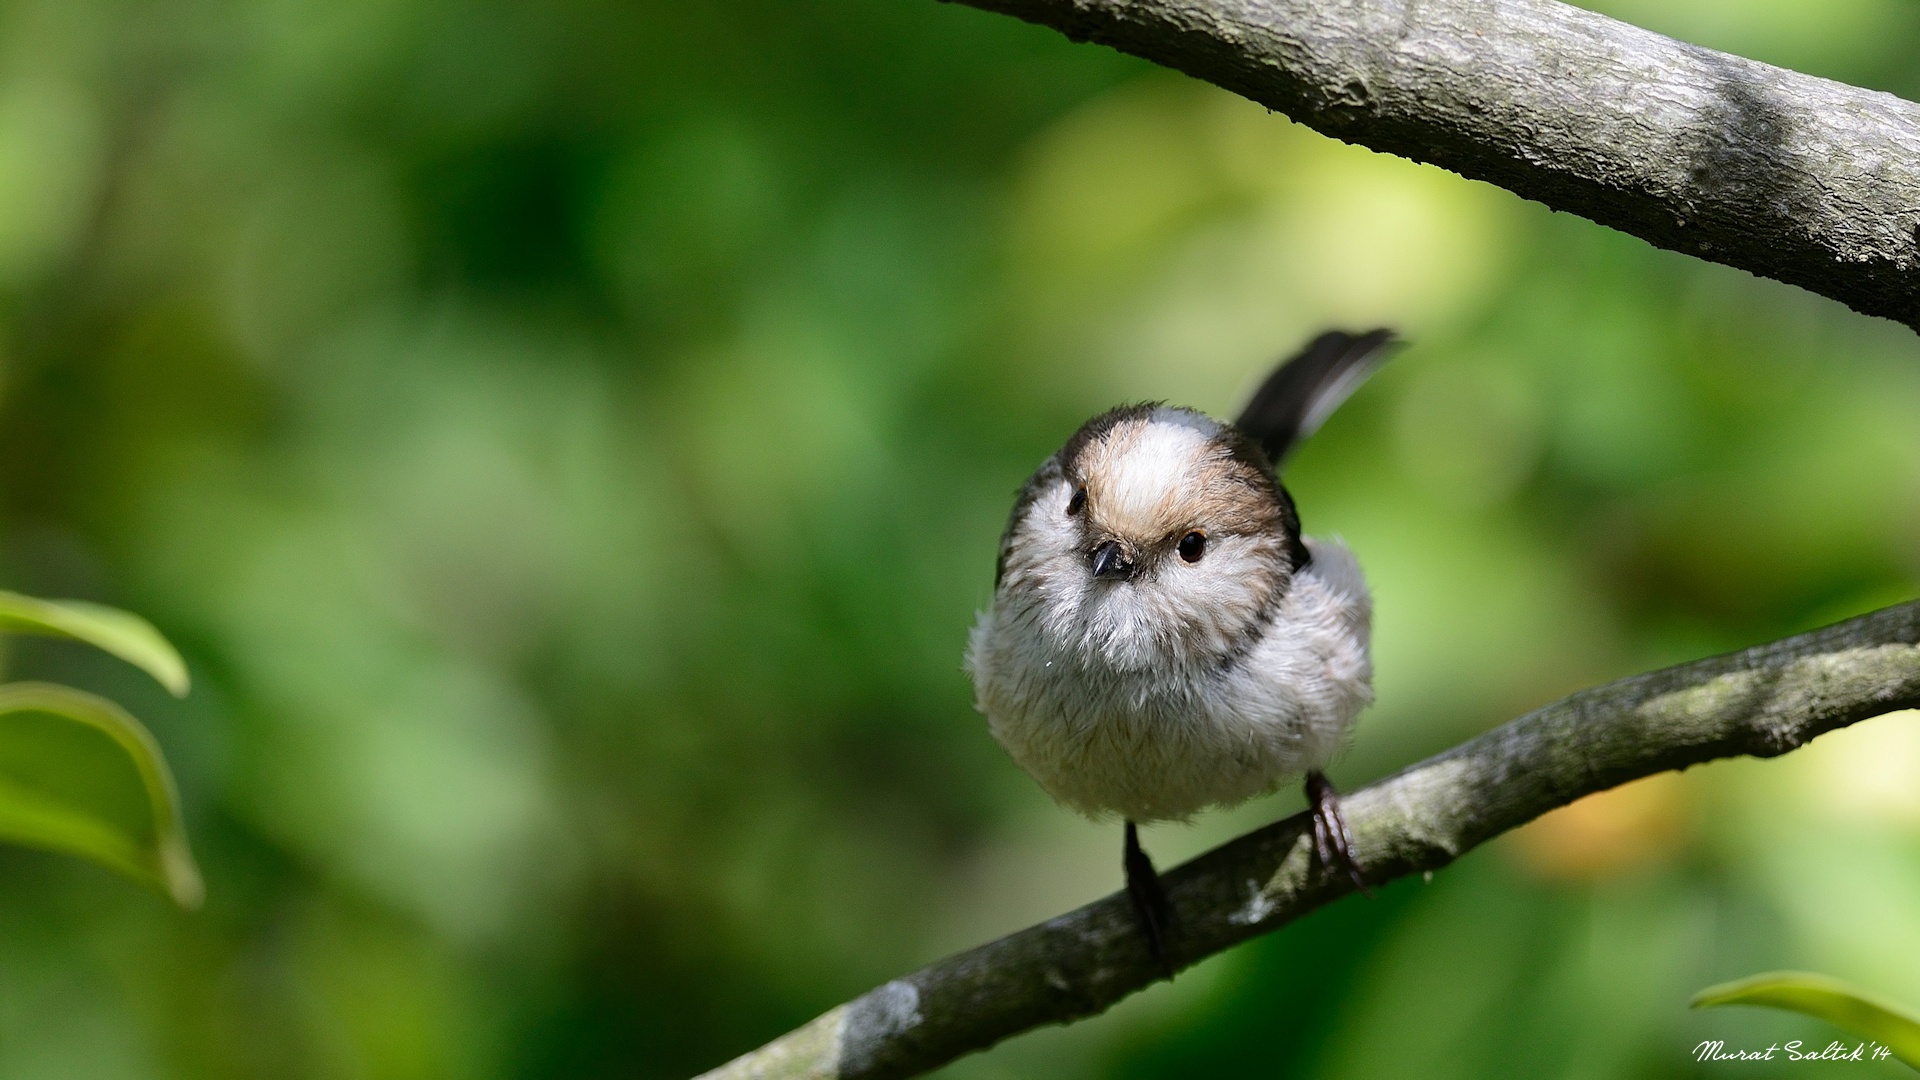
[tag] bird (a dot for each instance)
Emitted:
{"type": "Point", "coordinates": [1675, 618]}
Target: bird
{"type": "Point", "coordinates": [1162, 638]}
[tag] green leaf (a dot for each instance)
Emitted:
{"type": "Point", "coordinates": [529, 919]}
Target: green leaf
{"type": "Point", "coordinates": [78, 774]}
{"type": "Point", "coordinates": [122, 633]}
{"type": "Point", "coordinates": [1829, 999]}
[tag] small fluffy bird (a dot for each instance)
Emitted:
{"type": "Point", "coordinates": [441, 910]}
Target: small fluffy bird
{"type": "Point", "coordinates": [1162, 638]}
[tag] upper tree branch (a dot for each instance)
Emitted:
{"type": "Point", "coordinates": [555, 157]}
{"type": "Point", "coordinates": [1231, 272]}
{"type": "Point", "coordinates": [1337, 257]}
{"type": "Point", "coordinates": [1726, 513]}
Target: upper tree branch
{"type": "Point", "coordinates": [1761, 701]}
{"type": "Point", "coordinates": [1805, 180]}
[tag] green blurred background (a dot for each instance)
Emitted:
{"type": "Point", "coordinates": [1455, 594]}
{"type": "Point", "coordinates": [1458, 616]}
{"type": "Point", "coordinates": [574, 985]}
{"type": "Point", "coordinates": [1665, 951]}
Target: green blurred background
{"type": "Point", "coordinates": [569, 442]}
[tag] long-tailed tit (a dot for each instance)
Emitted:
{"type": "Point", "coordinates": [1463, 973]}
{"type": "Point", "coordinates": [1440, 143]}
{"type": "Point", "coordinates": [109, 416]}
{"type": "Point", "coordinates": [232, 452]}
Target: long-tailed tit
{"type": "Point", "coordinates": [1162, 638]}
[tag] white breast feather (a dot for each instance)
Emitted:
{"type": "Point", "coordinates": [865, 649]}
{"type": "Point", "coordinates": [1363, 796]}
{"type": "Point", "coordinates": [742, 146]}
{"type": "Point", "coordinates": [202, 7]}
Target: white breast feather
{"type": "Point", "coordinates": [1156, 742]}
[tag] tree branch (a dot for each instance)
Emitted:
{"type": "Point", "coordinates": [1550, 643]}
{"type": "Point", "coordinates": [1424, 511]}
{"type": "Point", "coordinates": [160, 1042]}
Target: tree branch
{"type": "Point", "coordinates": [1801, 179]}
{"type": "Point", "coordinates": [1761, 701]}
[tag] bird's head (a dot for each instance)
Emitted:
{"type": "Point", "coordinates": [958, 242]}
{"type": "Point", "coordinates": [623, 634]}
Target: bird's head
{"type": "Point", "coordinates": [1156, 537]}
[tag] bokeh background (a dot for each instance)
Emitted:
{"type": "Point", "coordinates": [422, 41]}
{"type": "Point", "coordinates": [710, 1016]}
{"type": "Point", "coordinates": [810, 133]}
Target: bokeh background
{"type": "Point", "coordinates": [569, 441]}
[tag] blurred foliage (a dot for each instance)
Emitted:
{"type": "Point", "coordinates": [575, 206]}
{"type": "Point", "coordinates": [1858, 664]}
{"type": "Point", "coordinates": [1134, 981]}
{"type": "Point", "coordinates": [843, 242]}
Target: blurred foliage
{"type": "Point", "coordinates": [78, 773]}
{"type": "Point", "coordinates": [119, 633]}
{"type": "Point", "coordinates": [1840, 1004]}
{"type": "Point", "coordinates": [569, 441]}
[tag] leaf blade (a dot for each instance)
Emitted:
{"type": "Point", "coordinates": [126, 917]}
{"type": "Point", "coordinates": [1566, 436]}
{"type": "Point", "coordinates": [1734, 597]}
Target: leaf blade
{"type": "Point", "coordinates": [1825, 998]}
{"type": "Point", "coordinates": [121, 633]}
{"type": "Point", "coordinates": [43, 819]}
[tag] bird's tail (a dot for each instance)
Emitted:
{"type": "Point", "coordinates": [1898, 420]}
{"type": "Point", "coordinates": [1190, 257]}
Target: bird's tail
{"type": "Point", "coordinates": [1305, 390]}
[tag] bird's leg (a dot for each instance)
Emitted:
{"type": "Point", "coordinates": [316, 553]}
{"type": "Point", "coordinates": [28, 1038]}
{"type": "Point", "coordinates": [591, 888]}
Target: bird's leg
{"type": "Point", "coordinates": [1149, 900]}
{"type": "Point", "coordinates": [1331, 840]}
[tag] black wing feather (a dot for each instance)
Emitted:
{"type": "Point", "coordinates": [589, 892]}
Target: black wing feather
{"type": "Point", "coordinates": [1305, 390]}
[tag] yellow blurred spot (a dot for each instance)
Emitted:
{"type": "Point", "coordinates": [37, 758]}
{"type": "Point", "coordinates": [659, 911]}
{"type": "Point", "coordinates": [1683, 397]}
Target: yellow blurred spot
{"type": "Point", "coordinates": [1869, 772]}
{"type": "Point", "coordinates": [1171, 240]}
{"type": "Point", "coordinates": [1607, 833]}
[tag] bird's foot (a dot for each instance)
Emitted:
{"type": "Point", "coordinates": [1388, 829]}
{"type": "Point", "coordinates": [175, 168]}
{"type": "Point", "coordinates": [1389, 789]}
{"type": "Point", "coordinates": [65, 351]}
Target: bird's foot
{"type": "Point", "coordinates": [1331, 840]}
{"type": "Point", "coordinates": [1150, 904]}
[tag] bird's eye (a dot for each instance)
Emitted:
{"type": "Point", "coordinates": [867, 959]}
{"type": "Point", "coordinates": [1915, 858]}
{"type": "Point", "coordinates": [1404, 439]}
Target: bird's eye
{"type": "Point", "coordinates": [1193, 545]}
{"type": "Point", "coordinates": [1078, 502]}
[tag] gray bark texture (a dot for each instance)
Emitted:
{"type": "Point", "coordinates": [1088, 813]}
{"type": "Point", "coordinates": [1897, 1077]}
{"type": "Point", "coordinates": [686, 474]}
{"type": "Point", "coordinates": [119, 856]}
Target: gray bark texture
{"type": "Point", "coordinates": [1796, 178]}
{"type": "Point", "coordinates": [1762, 701]}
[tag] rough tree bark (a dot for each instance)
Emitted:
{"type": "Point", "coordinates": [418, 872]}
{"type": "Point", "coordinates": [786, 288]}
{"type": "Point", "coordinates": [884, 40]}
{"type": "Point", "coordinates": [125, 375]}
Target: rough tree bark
{"type": "Point", "coordinates": [1806, 180]}
{"type": "Point", "coordinates": [1763, 701]}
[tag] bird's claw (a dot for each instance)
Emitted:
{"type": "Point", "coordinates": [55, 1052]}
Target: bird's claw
{"type": "Point", "coordinates": [1331, 840]}
{"type": "Point", "coordinates": [1150, 904]}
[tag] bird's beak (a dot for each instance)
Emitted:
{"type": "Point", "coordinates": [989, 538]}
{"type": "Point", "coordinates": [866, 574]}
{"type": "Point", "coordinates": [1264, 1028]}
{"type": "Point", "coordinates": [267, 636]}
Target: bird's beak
{"type": "Point", "coordinates": [1109, 561]}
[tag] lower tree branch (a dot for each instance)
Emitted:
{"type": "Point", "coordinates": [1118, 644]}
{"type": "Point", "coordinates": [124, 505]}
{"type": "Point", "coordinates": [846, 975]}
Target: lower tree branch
{"type": "Point", "coordinates": [1797, 178]}
{"type": "Point", "coordinates": [1762, 701]}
